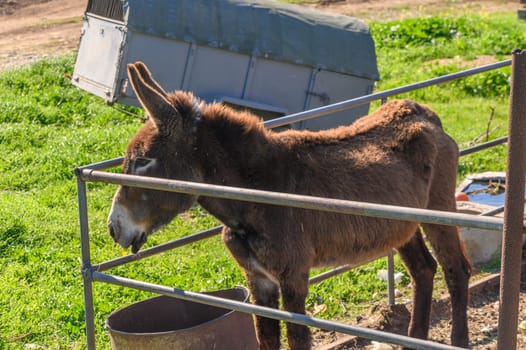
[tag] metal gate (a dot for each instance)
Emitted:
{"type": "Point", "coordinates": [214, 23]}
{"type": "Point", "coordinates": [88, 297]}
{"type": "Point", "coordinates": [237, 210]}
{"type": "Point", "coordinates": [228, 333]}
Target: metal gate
{"type": "Point", "coordinates": [512, 225]}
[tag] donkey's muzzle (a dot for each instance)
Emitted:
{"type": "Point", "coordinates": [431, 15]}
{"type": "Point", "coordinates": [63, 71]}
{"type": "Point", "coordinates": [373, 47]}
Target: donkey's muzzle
{"type": "Point", "coordinates": [138, 242]}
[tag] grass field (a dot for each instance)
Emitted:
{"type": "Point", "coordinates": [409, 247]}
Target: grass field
{"type": "Point", "coordinates": [48, 128]}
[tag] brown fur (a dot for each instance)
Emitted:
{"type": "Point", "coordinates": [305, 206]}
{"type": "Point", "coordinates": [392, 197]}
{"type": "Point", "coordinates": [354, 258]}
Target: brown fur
{"type": "Point", "coordinates": [398, 155]}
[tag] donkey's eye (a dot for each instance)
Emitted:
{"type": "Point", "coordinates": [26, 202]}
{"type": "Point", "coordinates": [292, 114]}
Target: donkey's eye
{"type": "Point", "coordinates": [141, 165]}
{"type": "Point", "coordinates": [142, 162]}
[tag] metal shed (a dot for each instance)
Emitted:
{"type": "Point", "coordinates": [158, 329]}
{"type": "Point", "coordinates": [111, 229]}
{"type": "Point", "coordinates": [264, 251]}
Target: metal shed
{"type": "Point", "coordinates": [270, 57]}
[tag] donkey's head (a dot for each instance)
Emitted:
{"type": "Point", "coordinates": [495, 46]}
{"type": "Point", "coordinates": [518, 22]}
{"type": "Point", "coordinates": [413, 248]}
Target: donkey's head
{"type": "Point", "coordinates": [163, 148]}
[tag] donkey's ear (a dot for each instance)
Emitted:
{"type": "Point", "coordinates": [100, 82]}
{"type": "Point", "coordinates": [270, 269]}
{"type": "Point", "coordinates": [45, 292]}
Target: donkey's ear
{"type": "Point", "coordinates": [152, 97]}
{"type": "Point", "coordinates": [148, 79]}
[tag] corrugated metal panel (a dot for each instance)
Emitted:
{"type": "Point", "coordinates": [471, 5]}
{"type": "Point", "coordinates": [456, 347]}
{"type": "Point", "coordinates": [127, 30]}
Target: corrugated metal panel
{"type": "Point", "coordinates": [106, 8]}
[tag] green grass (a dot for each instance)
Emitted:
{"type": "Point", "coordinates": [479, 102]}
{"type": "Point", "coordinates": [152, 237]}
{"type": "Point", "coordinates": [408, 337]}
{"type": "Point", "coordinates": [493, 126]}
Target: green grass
{"type": "Point", "coordinates": [48, 127]}
{"type": "Point", "coordinates": [417, 49]}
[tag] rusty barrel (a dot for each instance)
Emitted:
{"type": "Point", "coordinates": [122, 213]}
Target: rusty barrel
{"type": "Point", "coordinates": [167, 323]}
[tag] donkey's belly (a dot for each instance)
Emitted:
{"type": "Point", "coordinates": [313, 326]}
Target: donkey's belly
{"type": "Point", "coordinates": [358, 246]}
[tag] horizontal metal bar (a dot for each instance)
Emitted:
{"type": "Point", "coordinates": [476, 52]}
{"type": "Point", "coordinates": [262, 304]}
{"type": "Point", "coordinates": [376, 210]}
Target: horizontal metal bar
{"type": "Point", "coordinates": [331, 273]}
{"type": "Point", "coordinates": [484, 145]}
{"type": "Point", "coordinates": [494, 211]}
{"type": "Point", "coordinates": [106, 164]}
{"type": "Point", "coordinates": [343, 105]}
{"type": "Point", "coordinates": [118, 161]}
{"type": "Point", "coordinates": [358, 101]}
{"type": "Point", "coordinates": [158, 249]}
{"type": "Point", "coordinates": [273, 313]}
{"type": "Point", "coordinates": [339, 270]}
{"type": "Point", "coordinates": [195, 238]}
{"type": "Point", "coordinates": [298, 201]}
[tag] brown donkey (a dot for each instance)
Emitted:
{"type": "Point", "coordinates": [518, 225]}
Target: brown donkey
{"type": "Point", "coordinates": [398, 155]}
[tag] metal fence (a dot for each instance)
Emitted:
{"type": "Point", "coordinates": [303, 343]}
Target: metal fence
{"type": "Point", "coordinates": [512, 232]}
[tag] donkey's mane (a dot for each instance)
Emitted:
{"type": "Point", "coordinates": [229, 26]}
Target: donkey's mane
{"type": "Point", "coordinates": [243, 137]}
{"type": "Point", "coordinates": [246, 123]}
{"type": "Point", "coordinates": [243, 125]}
{"type": "Point", "coordinates": [217, 117]}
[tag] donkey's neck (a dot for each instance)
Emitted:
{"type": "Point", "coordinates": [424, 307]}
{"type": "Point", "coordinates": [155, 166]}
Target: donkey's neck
{"type": "Point", "coordinates": [231, 144]}
{"type": "Point", "coordinates": [234, 150]}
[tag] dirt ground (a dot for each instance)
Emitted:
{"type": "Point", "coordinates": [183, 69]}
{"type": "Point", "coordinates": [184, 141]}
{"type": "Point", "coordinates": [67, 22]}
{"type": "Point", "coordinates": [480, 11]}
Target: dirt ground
{"type": "Point", "coordinates": [36, 29]}
{"type": "Point", "coordinates": [483, 316]}
{"type": "Point", "coordinates": [398, 9]}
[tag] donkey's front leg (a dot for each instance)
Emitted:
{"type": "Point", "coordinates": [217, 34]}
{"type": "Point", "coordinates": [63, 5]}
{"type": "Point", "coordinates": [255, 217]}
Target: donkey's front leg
{"type": "Point", "coordinates": [294, 289]}
{"type": "Point", "coordinates": [263, 287]}
{"type": "Point", "coordinates": [265, 292]}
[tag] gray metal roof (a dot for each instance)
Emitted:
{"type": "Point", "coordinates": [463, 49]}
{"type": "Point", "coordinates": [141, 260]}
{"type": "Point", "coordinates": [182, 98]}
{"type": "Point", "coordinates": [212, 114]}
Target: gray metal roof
{"type": "Point", "coordinates": [263, 28]}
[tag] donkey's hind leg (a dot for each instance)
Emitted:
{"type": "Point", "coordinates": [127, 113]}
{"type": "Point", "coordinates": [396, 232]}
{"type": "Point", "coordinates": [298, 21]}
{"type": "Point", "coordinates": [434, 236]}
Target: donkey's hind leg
{"type": "Point", "coordinates": [445, 241]}
{"type": "Point", "coordinates": [422, 268]}
{"type": "Point", "coordinates": [452, 256]}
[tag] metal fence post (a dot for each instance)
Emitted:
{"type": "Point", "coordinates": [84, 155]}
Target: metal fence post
{"type": "Point", "coordinates": [86, 263]}
{"type": "Point", "coordinates": [390, 263]}
{"type": "Point", "coordinates": [514, 208]}
{"type": "Point", "coordinates": [390, 278]}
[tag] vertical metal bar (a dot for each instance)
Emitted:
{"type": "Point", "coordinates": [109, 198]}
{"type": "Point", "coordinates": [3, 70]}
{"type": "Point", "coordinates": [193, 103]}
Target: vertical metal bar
{"type": "Point", "coordinates": [249, 76]}
{"type": "Point", "coordinates": [390, 278]}
{"type": "Point", "coordinates": [189, 64]}
{"type": "Point", "coordinates": [86, 263]}
{"type": "Point", "coordinates": [310, 89]}
{"type": "Point", "coordinates": [514, 208]}
{"type": "Point", "coordinates": [390, 262]}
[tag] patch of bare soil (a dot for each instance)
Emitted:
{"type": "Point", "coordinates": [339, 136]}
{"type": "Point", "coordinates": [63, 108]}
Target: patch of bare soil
{"type": "Point", "coordinates": [483, 314]}
{"type": "Point", "coordinates": [399, 9]}
{"type": "Point", "coordinates": [35, 29]}
{"type": "Point", "coordinates": [9, 7]}
{"type": "Point", "coordinates": [459, 62]}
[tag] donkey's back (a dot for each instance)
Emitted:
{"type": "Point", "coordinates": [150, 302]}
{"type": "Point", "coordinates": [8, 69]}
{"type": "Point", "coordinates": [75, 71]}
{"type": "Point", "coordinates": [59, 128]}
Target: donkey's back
{"type": "Point", "coordinates": [398, 144]}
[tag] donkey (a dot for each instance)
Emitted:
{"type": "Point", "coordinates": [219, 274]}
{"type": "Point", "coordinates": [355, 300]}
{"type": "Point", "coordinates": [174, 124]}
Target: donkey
{"type": "Point", "coordinates": [398, 155]}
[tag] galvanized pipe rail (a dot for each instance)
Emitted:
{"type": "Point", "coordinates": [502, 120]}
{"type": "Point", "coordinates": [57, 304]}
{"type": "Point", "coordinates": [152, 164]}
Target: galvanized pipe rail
{"type": "Point", "coordinates": [141, 254]}
{"type": "Point", "coordinates": [91, 273]}
{"type": "Point", "coordinates": [358, 101]}
{"type": "Point", "coordinates": [298, 201]}
{"type": "Point", "coordinates": [273, 313]}
{"type": "Point", "coordinates": [86, 263]}
{"type": "Point", "coordinates": [106, 164]}
{"type": "Point", "coordinates": [484, 145]}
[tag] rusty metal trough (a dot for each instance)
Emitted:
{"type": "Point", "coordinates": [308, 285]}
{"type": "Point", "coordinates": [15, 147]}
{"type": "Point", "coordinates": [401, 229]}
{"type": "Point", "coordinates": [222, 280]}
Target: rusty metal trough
{"type": "Point", "coordinates": [166, 323]}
